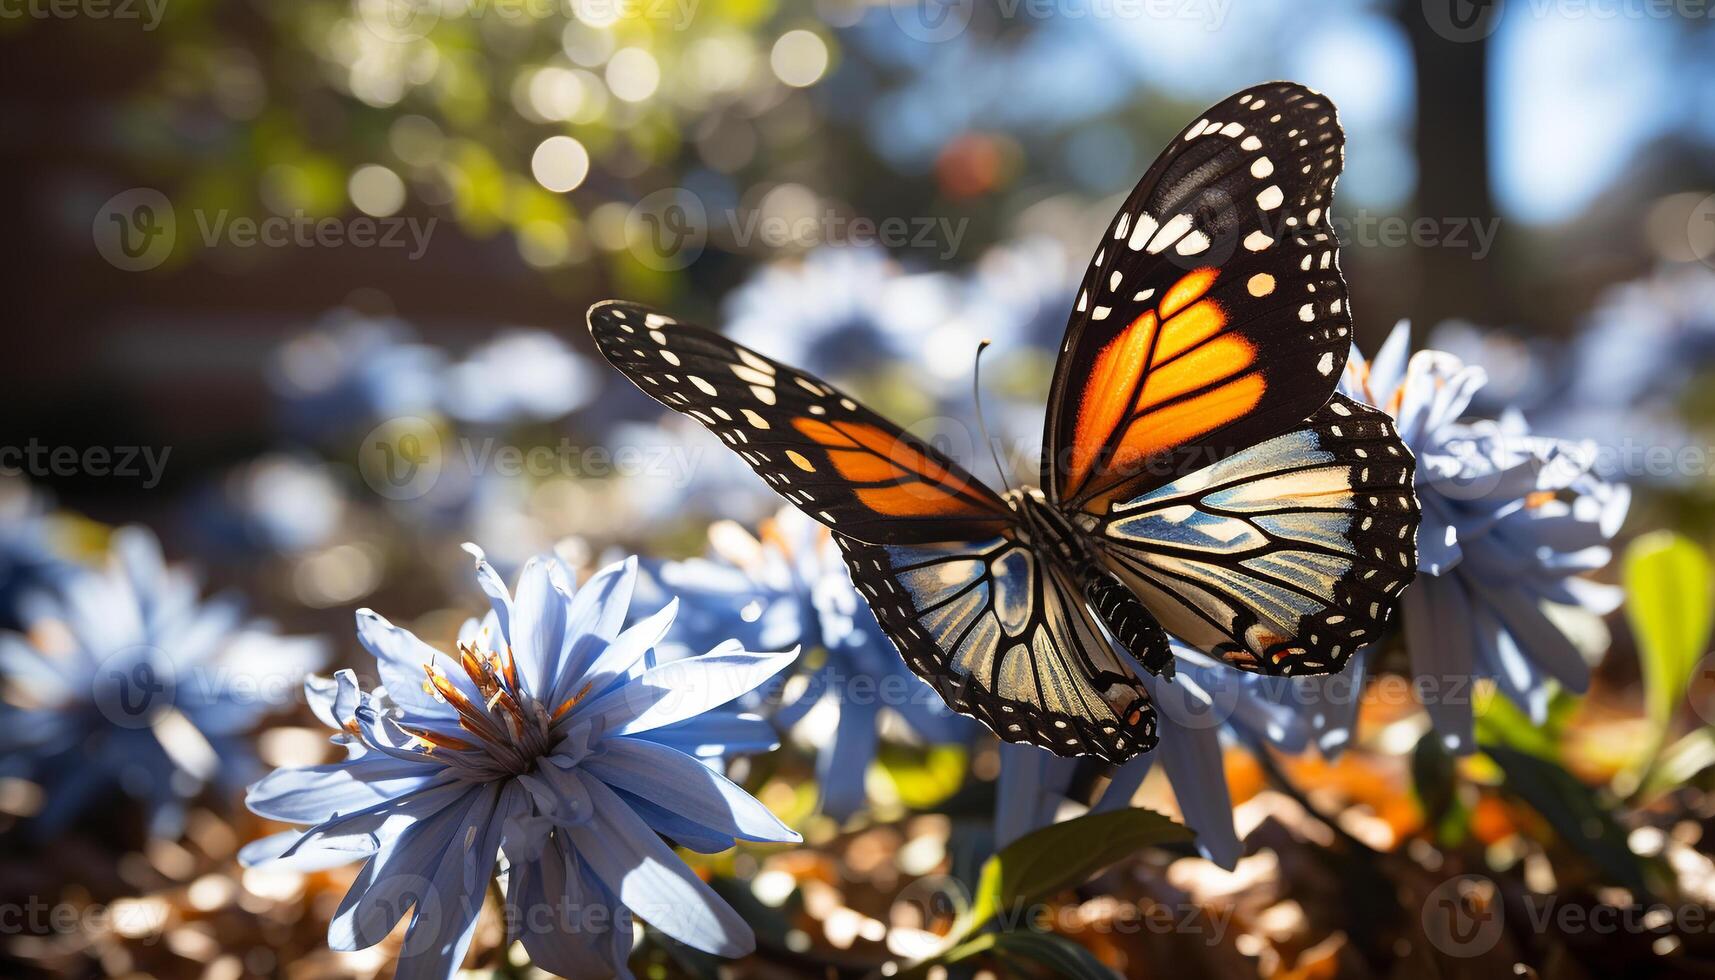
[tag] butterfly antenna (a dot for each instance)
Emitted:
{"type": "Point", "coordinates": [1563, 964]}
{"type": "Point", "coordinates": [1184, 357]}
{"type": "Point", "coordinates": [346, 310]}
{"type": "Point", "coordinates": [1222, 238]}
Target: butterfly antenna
{"type": "Point", "coordinates": [977, 394]}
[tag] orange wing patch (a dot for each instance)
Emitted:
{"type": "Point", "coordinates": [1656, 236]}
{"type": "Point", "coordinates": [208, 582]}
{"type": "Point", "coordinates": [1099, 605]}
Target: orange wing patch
{"type": "Point", "coordinates": [1189, 379]}
{"type": "Point", "coordinates": [902, 482]}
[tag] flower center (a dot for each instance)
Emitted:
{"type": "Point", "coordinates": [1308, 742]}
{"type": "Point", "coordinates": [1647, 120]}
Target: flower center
{"type": "Point", "coordinates": [510, 726]}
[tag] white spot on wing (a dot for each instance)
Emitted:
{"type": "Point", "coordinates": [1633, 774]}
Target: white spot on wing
{"type": "Point", "coordinates": [1170, 232]}
{"type": "Point", "coordinates": [1140, 234]}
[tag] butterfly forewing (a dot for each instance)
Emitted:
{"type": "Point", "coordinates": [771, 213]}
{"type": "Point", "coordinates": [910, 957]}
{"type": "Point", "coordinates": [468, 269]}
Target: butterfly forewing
{"type": "Point", "coordinates": [1283, 558]}
{"type": "Point", "coordinates": [1213, 314]}
{"type": "Point", "coordinates": [834, 459]}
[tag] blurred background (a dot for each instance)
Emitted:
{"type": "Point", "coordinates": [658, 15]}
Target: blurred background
{"type": "Point", "coordinates": [257, 246]}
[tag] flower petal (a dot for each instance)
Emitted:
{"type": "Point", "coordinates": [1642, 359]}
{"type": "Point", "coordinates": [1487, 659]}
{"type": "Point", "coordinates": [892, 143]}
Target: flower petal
{"type": "Point", "coordinates": [561, 919]}
{"type": "Point", "coordinates": [440, 933]}
{"type": "Point", "coordinates": [1028, 793]}
{"type": "Point", "coordinates": [593, 622]}
{"type": "Point", "coordinates": [627, 650]}
{"type": "Point", "coordinates": [721, 733]}
{"type": "Point", "coordinates": [492, 585]}
{"type": "Point", "coordinates": [393, 880]}
{"type": "Point", "coordinates": [686, 787]}
{"type": "Point", "coordinates": [1438, 634]}
{"type": "Point", "coordinates": [681, 689]}
{"type": "Point", "coordinates": [1192, 760]}
{"type": "Point", "coordinates": [315, 793]}
{"type": "Point", "coordinates": [538, 626]}
{"type": "Point", "coordinates": [653, 882]}
{"type": "Point", "coordinates": [841, 768]}
{"type": "Point", "coordinates": [400, 658]}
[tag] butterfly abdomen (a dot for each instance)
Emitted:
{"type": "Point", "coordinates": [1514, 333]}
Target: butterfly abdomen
{"type": "Point", "coordinates": [1128, 620]}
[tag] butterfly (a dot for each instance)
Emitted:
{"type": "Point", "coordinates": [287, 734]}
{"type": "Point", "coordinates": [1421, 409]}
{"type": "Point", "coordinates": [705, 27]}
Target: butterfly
{"type": "Point", "coordinates": [1200, 476]}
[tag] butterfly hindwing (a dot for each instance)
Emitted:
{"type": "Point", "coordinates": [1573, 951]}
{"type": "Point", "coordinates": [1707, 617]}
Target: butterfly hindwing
{"type": "Point", "coordinates": [834, 459]}
{"type": "Point", "coordinates": [1285, 557]}
{"type": "Point", "coordinates": [1004, 635]}
{"type": "Point", "coordinates": [1213, 315]}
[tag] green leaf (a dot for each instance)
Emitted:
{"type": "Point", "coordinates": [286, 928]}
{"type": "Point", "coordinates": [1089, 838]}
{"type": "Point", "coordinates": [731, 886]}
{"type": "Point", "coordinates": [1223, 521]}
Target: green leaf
{"type": "Point", "coordinates": [1500, 722]}
{"type": "Point", "coordinates": [923, 778]}
{"type": "Point", "coordinates": [1574, 811]}
{"type": "Point", "coordinates": [1062, 956]}
{"type": "Point", "coordinates": [1669, 592]}
{"type": "Point", "coordinates": [1434, 774]}
{"type": "Point", "coordinates": [1682, 762]}
{"type": "Point", "coordinates": [1063, 855]}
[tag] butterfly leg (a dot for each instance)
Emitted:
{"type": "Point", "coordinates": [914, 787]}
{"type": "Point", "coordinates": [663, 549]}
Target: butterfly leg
{"type": "Point", "coordinates": [1125, 616]}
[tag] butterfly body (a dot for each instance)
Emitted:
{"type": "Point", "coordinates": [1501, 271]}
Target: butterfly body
{"type": "Point", "coordinates": [1200, 477]}
{"type": "Point", "coordinates": [1057, 536]}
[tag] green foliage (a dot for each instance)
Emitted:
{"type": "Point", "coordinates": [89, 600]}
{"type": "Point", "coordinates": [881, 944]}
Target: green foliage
{"type": "Point", "coordinates": [1063, 855]}
{"type": "Point", "coordinates": [1060, 955]}
{"type": "Point", "coordinates": [923, 777]}
{"type": "Point", "coordinates": [1669, 588]}
{"type": "Point", "coordinates": [1581, 819]}
{"type": "Point", "coordinates": [1033, 868]}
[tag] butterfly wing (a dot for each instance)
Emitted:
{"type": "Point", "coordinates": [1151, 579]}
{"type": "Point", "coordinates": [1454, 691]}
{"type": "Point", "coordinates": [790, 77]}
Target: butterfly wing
{"type": "Point", "coordinates": [834, 459]}
{"type": "Point", "coordinates": [1213, 315]}
{"type": "Point", "coordinates": [1283, 558]}
{"type": "Point", "coordinates": [999, 631]}
{"type": "Point", "coordinates": [1006, 636]}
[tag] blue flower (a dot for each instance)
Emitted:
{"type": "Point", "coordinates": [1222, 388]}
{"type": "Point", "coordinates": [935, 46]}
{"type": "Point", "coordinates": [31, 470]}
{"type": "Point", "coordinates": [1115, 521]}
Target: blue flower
{"type": "Point", "coordinates": [1645, 344]}
{"type": "Point", "coordinates": [519, 376]}
{"type": "Point", "coordinates": [1204, 703]}
{"type": "Point", "coordinates": [352, 372]}
{"type": "Point", "coordinates": [29, 560]}
{"type": "Point", "coordinates": [552, 738]}
{"type": "Point", "coordinates": [789, 587]}
{"type": "Point", "coordinates": [1022, 291]}
{"type": "Point", "coordinates": [842, 309]}
{"type": "Point", "coordinates": [126, 680]}
{"type": "Point", "coordinates": [277, 503]}
{"type": "Point", "coordinates": [685, 476]}
{"type": "Point", "coordinates": [1511, 522]}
